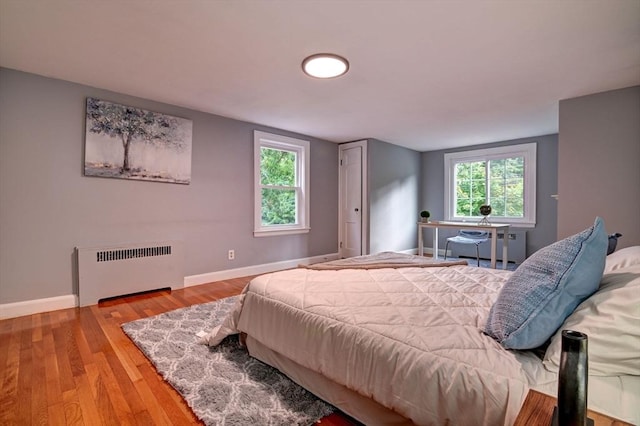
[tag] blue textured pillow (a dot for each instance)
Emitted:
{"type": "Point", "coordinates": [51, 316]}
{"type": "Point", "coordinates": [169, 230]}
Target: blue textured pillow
{"type": "Point", "coordinates": [546, 288]}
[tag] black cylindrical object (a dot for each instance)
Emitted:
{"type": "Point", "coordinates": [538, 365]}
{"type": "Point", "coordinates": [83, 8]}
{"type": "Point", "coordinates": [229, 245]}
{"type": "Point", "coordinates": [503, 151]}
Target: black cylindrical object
{"type": "Point", "coordinates": [572, 379]}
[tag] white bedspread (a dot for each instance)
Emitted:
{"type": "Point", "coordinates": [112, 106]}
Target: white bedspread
{"type": "Point", "coordinates": [408, 338]}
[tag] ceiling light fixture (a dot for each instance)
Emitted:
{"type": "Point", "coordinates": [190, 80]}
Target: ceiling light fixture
{"type": "Point", "coordinates": [325, 65]}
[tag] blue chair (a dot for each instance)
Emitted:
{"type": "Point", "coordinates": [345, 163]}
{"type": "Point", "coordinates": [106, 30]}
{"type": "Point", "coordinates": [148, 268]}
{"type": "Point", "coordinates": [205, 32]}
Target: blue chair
{"type": "Point", "coordinates": [468, 237]}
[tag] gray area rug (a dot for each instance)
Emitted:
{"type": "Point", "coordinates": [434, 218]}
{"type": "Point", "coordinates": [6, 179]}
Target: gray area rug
{"type": "Point", "coordinates": [222, 385]}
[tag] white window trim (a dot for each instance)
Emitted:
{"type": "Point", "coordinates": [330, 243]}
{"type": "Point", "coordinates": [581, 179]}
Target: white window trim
{"type": "Point", "coordinates": [301, 147]}
{"type": "Point", "coordinates": [528, 151]}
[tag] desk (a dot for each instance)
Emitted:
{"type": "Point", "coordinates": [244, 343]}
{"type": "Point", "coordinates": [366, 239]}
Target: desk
{"type": "Point", "coordinates": [492, 227]}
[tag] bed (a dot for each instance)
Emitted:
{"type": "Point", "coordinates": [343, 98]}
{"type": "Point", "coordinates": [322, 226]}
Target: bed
{"type": "Point", "coordinates": [409, 344]}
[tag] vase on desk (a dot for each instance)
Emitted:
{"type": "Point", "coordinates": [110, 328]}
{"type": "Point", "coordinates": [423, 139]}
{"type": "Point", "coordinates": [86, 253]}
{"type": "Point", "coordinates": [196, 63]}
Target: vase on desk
{"type": "Point", "coordinates": [573, 381]}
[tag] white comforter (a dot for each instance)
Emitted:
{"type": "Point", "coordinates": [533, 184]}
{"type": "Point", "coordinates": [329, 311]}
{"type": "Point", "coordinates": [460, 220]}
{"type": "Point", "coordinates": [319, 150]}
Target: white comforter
{"type": "Point", "coordinates": [408, 338]}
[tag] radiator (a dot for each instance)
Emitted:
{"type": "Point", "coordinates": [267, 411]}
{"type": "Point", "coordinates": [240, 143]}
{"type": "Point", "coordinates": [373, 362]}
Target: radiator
{"type": "Point", "coordinates": [517, 247]}
{"type": "Point", "coordinates": [105, 272]}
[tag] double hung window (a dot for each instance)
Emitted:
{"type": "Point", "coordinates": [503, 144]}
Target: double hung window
{"type": "Point", "coordinates": [281, 168]}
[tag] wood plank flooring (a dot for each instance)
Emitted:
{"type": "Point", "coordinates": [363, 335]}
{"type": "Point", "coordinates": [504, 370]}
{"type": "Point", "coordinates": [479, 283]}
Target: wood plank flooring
{"type": "Point", "coordinates": [77, 367]}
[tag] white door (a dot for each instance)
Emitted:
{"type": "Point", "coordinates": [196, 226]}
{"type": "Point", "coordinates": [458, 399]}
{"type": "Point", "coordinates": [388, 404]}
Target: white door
{"type": "Point", "coordinates": [351, 200]}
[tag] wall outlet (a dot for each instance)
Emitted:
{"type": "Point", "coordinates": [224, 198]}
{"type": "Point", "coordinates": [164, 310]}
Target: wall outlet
{"type": "Point", "coordinates": [232, 254]}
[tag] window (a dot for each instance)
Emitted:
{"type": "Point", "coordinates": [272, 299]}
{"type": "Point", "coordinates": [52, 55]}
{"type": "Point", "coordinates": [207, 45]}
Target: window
{"type": "Point", "coordinates": [504, 178]}
{"type": "Point", "coordinates": [281, 168]}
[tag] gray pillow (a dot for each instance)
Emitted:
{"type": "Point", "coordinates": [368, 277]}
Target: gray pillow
{"type": "Point", "coordinates": [546, 288]}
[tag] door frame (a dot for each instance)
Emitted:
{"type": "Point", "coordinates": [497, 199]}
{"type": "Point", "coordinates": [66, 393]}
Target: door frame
{"type": "Point", "coordinates": [364, 231]}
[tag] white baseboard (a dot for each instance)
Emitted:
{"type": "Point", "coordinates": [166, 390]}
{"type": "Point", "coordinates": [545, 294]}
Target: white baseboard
{"type": "Point", "coordinates": [429, 250]}
{"type": "Point", "coordinates": [255, 269]}
{"type": "Point", "coordinates": [409, 251]}
{"type": "Point", "coordinates": [29, 307]}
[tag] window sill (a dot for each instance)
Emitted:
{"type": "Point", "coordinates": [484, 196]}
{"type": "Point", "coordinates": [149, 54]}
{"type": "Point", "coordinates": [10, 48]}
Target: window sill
{"type": "Point", "coordinates": [512, 223]}
{"type": "Point", "coordinates": [277, 232]}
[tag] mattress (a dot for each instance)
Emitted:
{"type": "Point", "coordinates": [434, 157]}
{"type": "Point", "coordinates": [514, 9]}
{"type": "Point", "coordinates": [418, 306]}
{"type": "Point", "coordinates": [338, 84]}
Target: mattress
{"type": "Point", "coordinates": [409, 340]}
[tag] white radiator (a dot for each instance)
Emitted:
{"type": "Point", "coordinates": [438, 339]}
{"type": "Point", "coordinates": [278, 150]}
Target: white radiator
{"type": "Point", "coordinates": [105, 272]}
{"type": "Point", "coordinates": [517, 247]}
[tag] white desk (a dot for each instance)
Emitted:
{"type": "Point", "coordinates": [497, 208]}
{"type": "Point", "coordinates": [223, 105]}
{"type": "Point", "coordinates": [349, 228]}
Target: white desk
{"type": "Point", "coordinates": [493, 227]}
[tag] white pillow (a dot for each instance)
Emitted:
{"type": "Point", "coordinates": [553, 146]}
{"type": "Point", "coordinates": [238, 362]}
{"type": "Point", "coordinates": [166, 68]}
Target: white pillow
{"type": "Point", "coordinates": [622, 258]}
{"type": "Point", "coordinates": [611, 320]}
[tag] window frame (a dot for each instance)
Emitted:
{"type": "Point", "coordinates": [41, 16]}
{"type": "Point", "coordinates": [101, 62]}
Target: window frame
{"type": "Point", "coordinates": [528, 151]}
{"type": "Point", "coordinates": [301, 149]}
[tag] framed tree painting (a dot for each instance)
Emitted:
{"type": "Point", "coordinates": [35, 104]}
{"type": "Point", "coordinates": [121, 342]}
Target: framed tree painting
{"type": "Point", "coordinates": [132, 143]}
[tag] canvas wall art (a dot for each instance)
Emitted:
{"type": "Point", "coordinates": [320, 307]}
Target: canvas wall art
{"type": "Point", "coordinates": [132, 143]}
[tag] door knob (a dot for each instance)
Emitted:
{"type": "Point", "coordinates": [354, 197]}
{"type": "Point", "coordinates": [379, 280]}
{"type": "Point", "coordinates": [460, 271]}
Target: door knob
{"type": "Point", "coordinates": [357, 209]}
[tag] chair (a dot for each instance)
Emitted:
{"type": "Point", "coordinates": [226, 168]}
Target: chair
{"type": "Point", "coordinates": [468, 237]}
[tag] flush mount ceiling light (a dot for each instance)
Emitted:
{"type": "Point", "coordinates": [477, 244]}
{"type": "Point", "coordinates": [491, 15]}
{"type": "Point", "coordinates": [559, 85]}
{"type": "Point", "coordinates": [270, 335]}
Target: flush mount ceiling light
{"type": "Point", "coordinates": [325, 65]}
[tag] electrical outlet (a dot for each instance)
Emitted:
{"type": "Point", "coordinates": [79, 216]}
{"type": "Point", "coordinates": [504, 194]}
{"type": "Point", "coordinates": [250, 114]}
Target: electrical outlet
{"type": "Point", "coordinates": [232, 254]}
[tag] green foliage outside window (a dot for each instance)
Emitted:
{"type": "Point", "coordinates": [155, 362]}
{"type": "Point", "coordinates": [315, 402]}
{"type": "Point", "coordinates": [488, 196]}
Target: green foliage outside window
{"type": "Point", "coordinates": [499, 183]}
{"type": "Point", "coordinates": [278, 180]}
{"type": "Point", "coordinates": [278, 207]}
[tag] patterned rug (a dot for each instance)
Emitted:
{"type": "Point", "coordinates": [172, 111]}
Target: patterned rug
{"type": "Point", "coordinates": [222, 385]}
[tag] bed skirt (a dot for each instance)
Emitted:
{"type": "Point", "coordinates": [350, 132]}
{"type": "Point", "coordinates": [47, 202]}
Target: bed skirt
{"type": "Point", "coordinates": [352, 403]}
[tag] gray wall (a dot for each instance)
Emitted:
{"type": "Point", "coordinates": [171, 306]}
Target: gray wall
{"type": "Point", "coordinates": [599, 163]}
{"type": "Point", "coordinates": [544, 233]}
{"type": "Point", "coordinates": [394, 180]}
{"type": "Point", "coordinates": [47, 206]}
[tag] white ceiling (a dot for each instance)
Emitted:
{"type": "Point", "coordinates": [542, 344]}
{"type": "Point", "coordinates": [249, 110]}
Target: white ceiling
{"type": "Point", "coordinates": [424, 74]}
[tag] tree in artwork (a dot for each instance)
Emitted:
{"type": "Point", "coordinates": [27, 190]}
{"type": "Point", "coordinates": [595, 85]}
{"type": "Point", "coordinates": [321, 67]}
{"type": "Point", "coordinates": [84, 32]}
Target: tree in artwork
{"type": "Point", "coordinates": [128, 126]}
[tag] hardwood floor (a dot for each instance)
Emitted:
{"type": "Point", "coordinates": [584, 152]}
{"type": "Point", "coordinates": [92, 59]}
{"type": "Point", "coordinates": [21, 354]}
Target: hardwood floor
{"type": "Point", "coordinates": [77, 367]}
